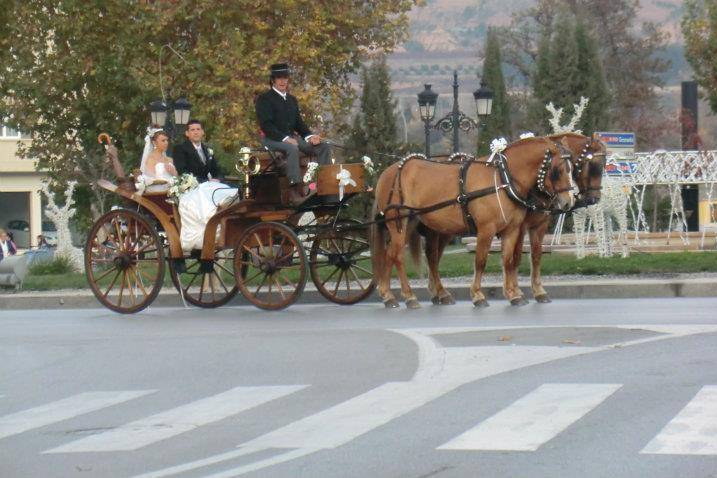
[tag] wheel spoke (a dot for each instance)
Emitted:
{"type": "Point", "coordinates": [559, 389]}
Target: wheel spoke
{"type": "Point", "coordinates": [362, 269]}
{"type": "Point", "coordinates": [105, 274]}
{"type": "Point", "coordinates": [330, 276]}
{"type": "Point", "coordinates": [356, 278]}
{"type": "Point", "coordinates": [112, 284]}
{"type": "Point", "coordinates": [338, 282]}
{"type": "Point", "coordinates": [139, 281]}
{"type": "Point", "coordinates": [261, 284]}
{"type": "Point", "coordinates": [281, 289]}
{"type": "Point", "coordinates": [221, 282]}
{"type": "Point", "coordinates": [124, 277]}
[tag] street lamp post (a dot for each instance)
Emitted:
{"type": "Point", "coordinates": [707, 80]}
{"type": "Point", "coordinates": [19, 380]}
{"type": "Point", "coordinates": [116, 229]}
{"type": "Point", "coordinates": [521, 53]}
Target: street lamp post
{"type": "Point", "coordinates": [427, 108]}
{"type": "Point", "coordinates": [170, 123]}
{"type": "Point", "coordinates": [456, 120]}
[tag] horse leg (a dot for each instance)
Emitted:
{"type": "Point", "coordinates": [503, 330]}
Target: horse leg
{"type": "Point", "coordinates": [483, 241]}
{"type": "Point", "coordinates": [383, 265]}
{"type": "Point", "coordinates": [517, 257]}
{"type": "Point", "coordinates": [537, 234]}
{"type": "Point", "coordinates": [435, 244]}
{"type": "Point", "coordinates": [511, 291]}
{"type": "Point", "coordinates": [395, 253]}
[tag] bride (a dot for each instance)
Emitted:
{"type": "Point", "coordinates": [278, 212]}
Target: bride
{"type": "Point", "coordinates": [197, 206]}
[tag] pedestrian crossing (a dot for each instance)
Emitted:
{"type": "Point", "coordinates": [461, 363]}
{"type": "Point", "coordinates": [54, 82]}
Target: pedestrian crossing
{"type": "Point", "coordinates": [525, 425]}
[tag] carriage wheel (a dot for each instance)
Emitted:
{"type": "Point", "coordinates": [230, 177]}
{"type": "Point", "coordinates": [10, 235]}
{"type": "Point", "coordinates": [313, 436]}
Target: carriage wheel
{"type": "Point", "coordinates": [205, 284]}
{"type": "Point", "coordinates": [124, 261]}
{"type": "Point", "coordinates": [270, 265]}
{"type": "Point", "coordinates": [340, 264]}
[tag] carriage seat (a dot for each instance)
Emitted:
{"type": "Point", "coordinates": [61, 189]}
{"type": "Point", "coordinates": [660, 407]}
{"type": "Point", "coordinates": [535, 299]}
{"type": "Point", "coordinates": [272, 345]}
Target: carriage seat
{"type": "Point", "coordinates": [275, 162]}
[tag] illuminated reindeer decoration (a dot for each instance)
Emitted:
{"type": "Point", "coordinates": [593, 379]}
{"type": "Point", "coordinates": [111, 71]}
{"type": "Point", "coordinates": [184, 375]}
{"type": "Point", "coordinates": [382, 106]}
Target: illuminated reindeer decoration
{"type": "Point", "coordinates": [613, 202]}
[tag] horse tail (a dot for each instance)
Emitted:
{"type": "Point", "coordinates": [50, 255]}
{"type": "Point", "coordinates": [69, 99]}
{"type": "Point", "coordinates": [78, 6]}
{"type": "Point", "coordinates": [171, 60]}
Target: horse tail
{"type": "Point", "coordinates": [377, 238]}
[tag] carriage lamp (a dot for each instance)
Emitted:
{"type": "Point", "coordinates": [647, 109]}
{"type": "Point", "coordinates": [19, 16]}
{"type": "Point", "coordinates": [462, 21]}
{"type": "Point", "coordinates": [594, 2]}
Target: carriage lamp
{"type": "Point", "coordinates": [172, 124]}
{"type": "Point", "coordinates": [484, 100]}
{"type": "Point", "coordinates": [182, 109]}
{"type": "Point", "coordinates": [158, 111]}
{"type": "Point", "coordinates": [427, 106]}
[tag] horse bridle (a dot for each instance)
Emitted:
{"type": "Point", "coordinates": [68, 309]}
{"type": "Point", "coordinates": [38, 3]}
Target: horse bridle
{"type": "Point", "coordinates": [584, 158]}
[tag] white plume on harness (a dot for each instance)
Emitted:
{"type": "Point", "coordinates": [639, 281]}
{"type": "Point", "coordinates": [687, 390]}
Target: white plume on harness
{"type": "Point", "coordinates": [497, 146]}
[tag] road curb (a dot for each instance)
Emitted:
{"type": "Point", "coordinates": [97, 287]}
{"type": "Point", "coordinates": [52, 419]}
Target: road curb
{"type": "Point", "coordinates": [583, 289]}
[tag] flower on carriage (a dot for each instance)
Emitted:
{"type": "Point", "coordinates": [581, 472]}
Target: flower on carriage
{"type": "Point", "coordinates": [310, 171]}
{"type": "Point", "coordinates": [527, 134]}
{"type": "Point", "coordinates": [140, 183]}
{"type": "Point", "coordinates": [368, 165]}
{"type": "Point", "coordinates": [180, 185]}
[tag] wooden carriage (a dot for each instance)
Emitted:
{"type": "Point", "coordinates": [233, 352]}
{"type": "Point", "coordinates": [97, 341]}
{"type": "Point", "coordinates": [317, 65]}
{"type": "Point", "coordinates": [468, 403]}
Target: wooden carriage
{"type": "Point", "coordinates": [254, 244]}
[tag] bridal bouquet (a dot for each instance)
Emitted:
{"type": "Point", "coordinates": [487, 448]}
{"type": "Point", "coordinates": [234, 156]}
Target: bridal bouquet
{"type": "Point", "coordinates": [182, 184]}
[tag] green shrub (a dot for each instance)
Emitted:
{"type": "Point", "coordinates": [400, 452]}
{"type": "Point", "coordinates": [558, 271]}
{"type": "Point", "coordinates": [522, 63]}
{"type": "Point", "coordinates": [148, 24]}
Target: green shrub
{"type": "Point", "coordinates": [58, 265]}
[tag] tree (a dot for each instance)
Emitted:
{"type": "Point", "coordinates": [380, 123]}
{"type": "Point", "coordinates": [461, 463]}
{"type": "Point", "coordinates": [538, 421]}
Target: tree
{"type": "Point", "coordinates": [699, 27]}
{"type": "Point", "coordinates": [569, 68]}
{"type": "Point", "coordinates": [498, 123]}
{"type": "Point", "coordinates": [630, 65]}
{"type": "Point", "coordinates": [374, 127]}
{"type": "Point", "coordinates": [73, 68]}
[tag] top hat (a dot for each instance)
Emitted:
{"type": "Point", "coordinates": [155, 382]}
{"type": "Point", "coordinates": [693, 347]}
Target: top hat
{"type": "Point", "coordinates": [280, 70]}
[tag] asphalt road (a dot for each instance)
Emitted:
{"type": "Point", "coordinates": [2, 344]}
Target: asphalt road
{"type": "Point", "coordinates": [588, 388]}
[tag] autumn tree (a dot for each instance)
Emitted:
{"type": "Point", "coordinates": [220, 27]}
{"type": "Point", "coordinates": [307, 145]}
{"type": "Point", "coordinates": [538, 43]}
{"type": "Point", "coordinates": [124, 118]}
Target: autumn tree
{"type": "Point", "coordinates": [699, 27]}
{"type": "Point", "coordinates": [498, 123]}
{"type": "Point", "coordinates": [73, 68]}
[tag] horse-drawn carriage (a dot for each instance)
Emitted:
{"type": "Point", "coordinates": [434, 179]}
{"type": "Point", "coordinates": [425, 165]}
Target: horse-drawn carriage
{"type": "Point", "coordinates": [253, 244]}
{"type": "Point", "coordinates": [256, 245]}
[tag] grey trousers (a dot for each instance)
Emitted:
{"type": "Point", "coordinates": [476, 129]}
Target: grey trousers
{"type": "Point", "coordinates": [322, 151]}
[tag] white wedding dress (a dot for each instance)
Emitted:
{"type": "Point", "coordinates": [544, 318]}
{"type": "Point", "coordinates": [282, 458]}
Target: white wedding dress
{"type": "Point", "coordinates": [196, 207]}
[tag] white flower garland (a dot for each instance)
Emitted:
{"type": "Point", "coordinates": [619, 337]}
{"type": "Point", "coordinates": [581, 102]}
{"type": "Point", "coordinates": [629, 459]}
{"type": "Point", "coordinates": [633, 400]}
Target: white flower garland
{"type": "Point", "coordinates": [527, 134]}
{"type": "Point", "coordinates": [310, 171]}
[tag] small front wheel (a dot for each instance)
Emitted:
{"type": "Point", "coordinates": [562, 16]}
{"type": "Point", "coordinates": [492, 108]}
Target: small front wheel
{"type": "Point", "coordinates": [270, 265]}
{"type": "Point", "coordinates": [124, 261]}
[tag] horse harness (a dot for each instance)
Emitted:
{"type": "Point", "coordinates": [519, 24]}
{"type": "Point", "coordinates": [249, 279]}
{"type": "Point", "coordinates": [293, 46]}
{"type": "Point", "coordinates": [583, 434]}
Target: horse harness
{"type": "Point", "coordinates": [465, 197]}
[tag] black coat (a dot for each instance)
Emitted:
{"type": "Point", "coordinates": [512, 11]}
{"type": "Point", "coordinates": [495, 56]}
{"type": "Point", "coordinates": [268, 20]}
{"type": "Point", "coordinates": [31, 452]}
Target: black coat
{"type": "Point", "coordinates": [279, 117]}
{"type": "Point", "coordinates": [187, 160]}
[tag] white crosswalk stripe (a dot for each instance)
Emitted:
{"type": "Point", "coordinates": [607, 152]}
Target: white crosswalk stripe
{"type": "Point", "coordinates": [693, 431]}
{"type": "Point", "coordinates": [178, 420]}
{"type": "Point", "coordinates": [64, 409]}
{"type": "Point", "coordinates": [534, 419]}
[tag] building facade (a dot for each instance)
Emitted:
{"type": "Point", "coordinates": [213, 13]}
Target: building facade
{"type": "Point", "coordinates": [20, 195]}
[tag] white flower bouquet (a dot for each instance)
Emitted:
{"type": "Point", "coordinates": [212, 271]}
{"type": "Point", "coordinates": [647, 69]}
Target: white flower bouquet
{"type": "Point", "coordinates": [368, 165]}
{"type": "Point", "coordinates": [180, 185]}
{"type": "Point", "coordinates": [310, 171]}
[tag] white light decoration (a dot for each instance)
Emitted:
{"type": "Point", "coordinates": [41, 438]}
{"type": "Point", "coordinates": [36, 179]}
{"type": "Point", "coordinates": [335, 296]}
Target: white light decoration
{"type": "Point", "coordinates": [61, 216]}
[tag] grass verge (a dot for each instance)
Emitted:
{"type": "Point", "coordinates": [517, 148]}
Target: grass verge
{"type": "Point", "coordinates": [461, 264]}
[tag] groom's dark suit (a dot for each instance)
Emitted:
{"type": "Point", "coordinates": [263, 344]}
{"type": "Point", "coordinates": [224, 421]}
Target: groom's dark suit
{"type": "Point", "coordinates": [187, 160]}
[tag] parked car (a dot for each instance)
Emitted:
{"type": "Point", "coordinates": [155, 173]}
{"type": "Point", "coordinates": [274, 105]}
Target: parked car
{"type": "Point", "coordinates": [20, 230]}
{"type": "Point", "coordinates": [50, 232]}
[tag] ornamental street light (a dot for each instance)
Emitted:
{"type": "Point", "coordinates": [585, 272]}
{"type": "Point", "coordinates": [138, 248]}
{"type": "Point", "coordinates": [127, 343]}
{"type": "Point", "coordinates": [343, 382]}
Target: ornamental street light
{"type": "Point", "coordinates": [427, 107]}
{"type": "Point", "coordinates": [456, 120]}
{"type": "Point", "coordinates": [171, 116]}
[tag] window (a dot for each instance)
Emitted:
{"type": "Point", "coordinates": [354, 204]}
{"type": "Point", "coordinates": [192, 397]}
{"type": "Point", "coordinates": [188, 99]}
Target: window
{"type": "Point", "coordinates": [6, 132]}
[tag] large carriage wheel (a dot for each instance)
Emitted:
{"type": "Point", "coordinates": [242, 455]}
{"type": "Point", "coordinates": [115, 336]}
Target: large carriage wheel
{"type": "Point", "coordinates": [205, 284]}
{"type": "Point", "coordinates": [270, 265]}
{"type": "Point", "coordinates": [340, 264]}
{"type": "Point", "coordinates": [124, 261]}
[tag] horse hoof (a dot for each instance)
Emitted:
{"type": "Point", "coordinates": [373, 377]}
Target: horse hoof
{"type": "Point", "coordinates": [448, 300]}
{"type": "Point", "coordinates": [413, 304]}
{"type": "Point", "coordinates": [481, 303]}
{"type": "Point", "coordinates": [543, 299]}
{"type": "Point", "coordinates": [435, 300]}
{"type": "Point", "coordinates": [518, 302]}
{"type": "Point", "coordinates": [391, 304]}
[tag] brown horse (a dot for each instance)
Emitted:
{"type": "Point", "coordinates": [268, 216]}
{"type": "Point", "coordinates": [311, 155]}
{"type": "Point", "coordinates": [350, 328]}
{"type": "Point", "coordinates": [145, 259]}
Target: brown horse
{"type": "Point", "coordinates": [448, 197]}
{"type": "Point", "coordinates": [588, 166]}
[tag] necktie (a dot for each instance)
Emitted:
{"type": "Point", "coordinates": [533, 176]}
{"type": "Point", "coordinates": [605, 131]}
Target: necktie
{"type": "Point", "coordinates": [200, 151]}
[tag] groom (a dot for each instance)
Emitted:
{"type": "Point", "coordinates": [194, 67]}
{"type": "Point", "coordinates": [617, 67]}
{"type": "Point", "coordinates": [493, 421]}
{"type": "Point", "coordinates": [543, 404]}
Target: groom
{"type": "Point", "coordinates": [195, 157]}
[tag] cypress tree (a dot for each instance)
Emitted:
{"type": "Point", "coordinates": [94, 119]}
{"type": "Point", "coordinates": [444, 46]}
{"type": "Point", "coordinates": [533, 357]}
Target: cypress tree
{"type": "Point", "coordinates": [537, 115]}
{"type": "Point", "coordinates": [591, 82]}
{"type": "Point", "coordinates": [498, 123]}
{"type": "Point", "coordinates": [374, 127]}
